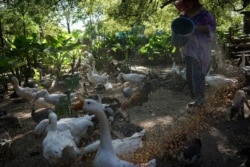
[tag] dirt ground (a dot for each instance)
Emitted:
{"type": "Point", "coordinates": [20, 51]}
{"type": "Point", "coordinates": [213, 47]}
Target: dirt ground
{"type": "Point", "coordinates": [165, 119]}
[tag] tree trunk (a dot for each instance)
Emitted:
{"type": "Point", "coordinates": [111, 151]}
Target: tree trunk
{"type": "Point", "coordinates": [1, 37]}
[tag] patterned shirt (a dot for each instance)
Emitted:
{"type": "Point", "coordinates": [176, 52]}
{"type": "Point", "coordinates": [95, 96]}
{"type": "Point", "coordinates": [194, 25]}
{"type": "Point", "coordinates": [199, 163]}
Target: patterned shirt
{"type": "Point", "coordinates": [200, 43]}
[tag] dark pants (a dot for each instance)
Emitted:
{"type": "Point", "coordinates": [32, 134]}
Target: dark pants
{"type": "Point", "coordinates": [195, 79]}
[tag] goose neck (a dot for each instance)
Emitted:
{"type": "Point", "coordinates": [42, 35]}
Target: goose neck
{"type": "Point", "coordinates": [105, 137]}
{"type": "Point", "coordinates": [53, 126]}
{"type": "Point", "coordinates": [46, 94]}
{"type": "Point", "coordinates": [16, 85]}
{"type": "Point", "coordinates": [90, 72]}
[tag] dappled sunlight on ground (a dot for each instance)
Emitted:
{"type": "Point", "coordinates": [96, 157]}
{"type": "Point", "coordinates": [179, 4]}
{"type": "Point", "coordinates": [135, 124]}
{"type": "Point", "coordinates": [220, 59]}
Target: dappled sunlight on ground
{"type": "Point", "coordinates": [19, 136]}
{"type": "Point", "coordinates": [162, 120]}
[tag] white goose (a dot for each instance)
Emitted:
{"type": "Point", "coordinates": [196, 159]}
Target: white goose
{"type": "Point", "coordinates": [78, 126]}
{"type": "Point", "coordinates": [175, 69]}
{"type": "Point", "coordinates": [243, 60]}
{"type": "Point", "coordinates": [26, 93]}
{"type": "Point", "coordinates": [93, 68]}
{"type": "Point", "coordinates": [96, 78]}
{"type": "Point", "coordinates": [59, 147]}
{"type": "Point", "coordinates": [218, 81]}
{"type": "Point", "coordinates": [105, 156]}
{"type": "Point", "coordinates": [131, 77]}
{"type": "Point", "coordinates": [50, 98]}
{"type": "Point", "coordinates": [29, 94]}
{"type": "Point", "coordinates": [122, 147]}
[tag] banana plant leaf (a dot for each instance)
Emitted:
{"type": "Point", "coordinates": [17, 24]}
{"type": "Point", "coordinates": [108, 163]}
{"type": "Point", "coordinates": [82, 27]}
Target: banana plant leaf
{"type": "Point", "coordinates": [72, 82]}
{"type": "Point", "coordinates": [6, 64]}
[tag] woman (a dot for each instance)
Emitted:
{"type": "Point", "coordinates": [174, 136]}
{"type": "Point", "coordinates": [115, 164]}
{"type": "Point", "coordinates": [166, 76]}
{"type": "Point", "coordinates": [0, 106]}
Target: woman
{"type": "Point", "coordinates": [197, 51]}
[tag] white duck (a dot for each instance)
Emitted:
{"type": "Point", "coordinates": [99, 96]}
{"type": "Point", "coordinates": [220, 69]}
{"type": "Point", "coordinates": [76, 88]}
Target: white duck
{"type": "Point", "coordinates": [218, 81]}
{"type": "Point", "coordinates": [175, 69]}
{"type": "Point", "coordinates": [50, 98]}
{"type": "Point", "coordinates": [96, 78]}
{"type": "Point", "coordinates": [26, 93]}
{"type": "Point", "coordinates": [29, 94]}
{"type": "Point", "coordinates": [131, 77]}
{"type": "Point", "coordinates": [105, 156]}
{"type": "Point", "coordinates": [58, 146]}
{"type": "Point", "coordinates": [243, 60]}
{"type": "Point", "coordinates": [108, 86]}
{"type": "Point", "coordinates": [93, 68]}
{"type": "Point", "coordinates": [122, 147]}
{"type": "Point", "coordinates": [78, 126]}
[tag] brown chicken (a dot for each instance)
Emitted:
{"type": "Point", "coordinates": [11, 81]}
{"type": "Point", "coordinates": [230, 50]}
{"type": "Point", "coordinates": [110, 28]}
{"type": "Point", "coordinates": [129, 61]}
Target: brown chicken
{"type": "Point", "coordinates": [139, 98]}
{"type": "Point", "coordinates": [77, 105]}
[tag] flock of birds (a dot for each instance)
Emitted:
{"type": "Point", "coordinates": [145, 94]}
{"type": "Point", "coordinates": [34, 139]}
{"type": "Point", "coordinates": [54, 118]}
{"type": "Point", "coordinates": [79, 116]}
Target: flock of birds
{"type": "Point", "coordinates": [62, 141]}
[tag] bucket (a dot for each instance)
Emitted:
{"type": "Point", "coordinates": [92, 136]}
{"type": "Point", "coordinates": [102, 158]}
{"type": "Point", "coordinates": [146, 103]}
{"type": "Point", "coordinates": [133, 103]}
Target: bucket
{"type": "Point", "coordinates": [182, 28]}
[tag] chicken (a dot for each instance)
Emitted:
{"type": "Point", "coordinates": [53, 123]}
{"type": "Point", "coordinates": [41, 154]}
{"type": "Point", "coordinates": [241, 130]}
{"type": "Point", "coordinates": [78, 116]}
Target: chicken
{"type": "Point", "coordinates": [139, 98]}
{"type": "Point", "coordinates": [40, 114]}
{"type": "Point", "coordinates": [77, 105]}
{"type": "Point", "coordinates": [245, 151]}
{"type": "Point", "coordinates": [237, 108]}
{"type": "Point", "coordinates": [190, 155]}
{"type": "Point", "coordinates": [127, 90]}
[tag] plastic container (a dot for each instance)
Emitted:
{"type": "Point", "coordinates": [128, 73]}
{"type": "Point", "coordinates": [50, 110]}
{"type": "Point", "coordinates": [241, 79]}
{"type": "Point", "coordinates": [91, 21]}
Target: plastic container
{"type": "Point", "coordinates": [182, 28]}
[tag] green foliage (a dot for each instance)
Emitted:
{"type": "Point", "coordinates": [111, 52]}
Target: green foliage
{"type": "Point", "coordinates": [36, 75]}
{"type": "Point", "coordinates": [62, 107]}
{"type": "Point", "coordinates": [72, 82]}
{"type": "Point", "coordinates": [59, 50]}
{"type": "Point", "coordinates": [30, 27]}
{"type": "Point", "coordinates": [160, 43]}
{"type": "Point", "coordinates": [6, 64]}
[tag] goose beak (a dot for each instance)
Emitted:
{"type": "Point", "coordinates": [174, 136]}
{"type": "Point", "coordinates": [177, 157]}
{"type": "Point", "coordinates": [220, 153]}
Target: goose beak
{"type": "Point", "coordinates": [77, 105]}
